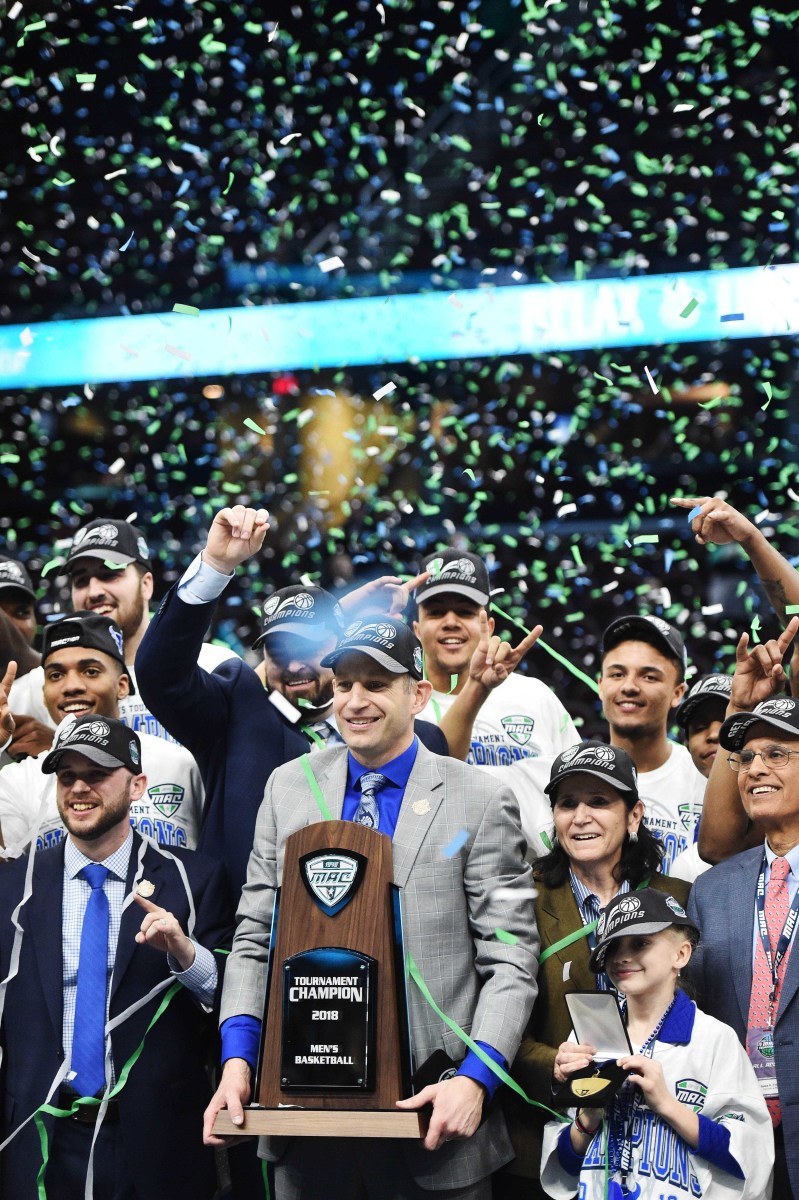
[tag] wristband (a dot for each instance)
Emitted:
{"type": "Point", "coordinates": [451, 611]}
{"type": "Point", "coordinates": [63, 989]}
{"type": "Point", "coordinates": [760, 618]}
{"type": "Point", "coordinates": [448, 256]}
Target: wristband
{"type": "Point", "coordinates": [589, 1133]}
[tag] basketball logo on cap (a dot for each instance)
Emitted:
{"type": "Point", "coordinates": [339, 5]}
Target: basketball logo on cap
{"type": "Point", "coordinates": [660, 624]}
{"type": "Point", "coordinates": [386, 631]}
{"type": "Point", "coordinates": [106, 535]}
{"type": "Point", "coordinates": [459, 566]}
{"type": "Point", "coordinates": [303, 600]}
{"type": "Point", "coordinates": [776, 708]}
{"type": "Point", "coordinates": [629, 904]}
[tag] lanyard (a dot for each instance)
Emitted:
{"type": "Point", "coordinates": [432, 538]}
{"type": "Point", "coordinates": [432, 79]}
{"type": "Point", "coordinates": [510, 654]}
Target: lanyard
{"type": "Point", "coordinates": [784, 940]}
{"type": "Point", "coordinates": [622, 1113]}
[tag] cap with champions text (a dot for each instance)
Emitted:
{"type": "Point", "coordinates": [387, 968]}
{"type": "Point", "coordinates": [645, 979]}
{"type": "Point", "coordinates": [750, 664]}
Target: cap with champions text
{"type": "Point", "coordinates": [306, 612]}
{"type": "Point", "coordinates": [782, 714]}
{"type": "Point", "coordinates": [390, 643]}
{"type": "Point", "coordinates": [116, 542]}
{"type": "Point", "coordinates": [636, 913]}
{"type": "Point", "coordinates": [610, 763]}
{"type": "Point", "coordinates": [654, 630]}
{"type": "Point", "coordinates": [13, 575]}
{"type": "Point", "coordinates": [455, 571]}
{"type": "Point", "coordinates": [715, 689]}
{"type": "Point", "coordinates": [103, 740]}
{"type": "Point", "coordinates": [88, 629]}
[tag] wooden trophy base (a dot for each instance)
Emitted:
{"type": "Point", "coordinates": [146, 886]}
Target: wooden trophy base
{"type": "Point", "coordinates": [304, 1122]}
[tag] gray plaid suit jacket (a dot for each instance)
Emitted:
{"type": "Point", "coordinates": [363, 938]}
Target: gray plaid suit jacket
{"type": "Point", "coordinates": [452, 907]}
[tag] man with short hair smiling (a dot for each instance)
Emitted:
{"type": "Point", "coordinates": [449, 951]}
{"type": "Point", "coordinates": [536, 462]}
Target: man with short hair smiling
{"type": "Point", "coordinates": [746, 972]}
{"type": "Point", "coordinates": [81, 1029]}
{"type": "Point", "coordinates": [522, 717]}
{"type": "Point", "coordinates": [85, 673]}
{"type": "Point", "coordinates": [455, 900]}
{"type": "Point", "coordinates": [641, 684]}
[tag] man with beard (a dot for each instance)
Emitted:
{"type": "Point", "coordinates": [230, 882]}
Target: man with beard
{"type": "Point", "coordinates": [89, 1025]}
{"type": "Point", "coordinates": [239, 732]}
{"type": "Point", "coordinates": [111, 574]}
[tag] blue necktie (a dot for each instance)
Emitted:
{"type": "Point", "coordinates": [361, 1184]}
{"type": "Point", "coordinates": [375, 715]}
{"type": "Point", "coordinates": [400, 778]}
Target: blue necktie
{"type": "Point", "coordinates": [367, 812]}
{"type": "Point", "coordinates": [88, 1035]}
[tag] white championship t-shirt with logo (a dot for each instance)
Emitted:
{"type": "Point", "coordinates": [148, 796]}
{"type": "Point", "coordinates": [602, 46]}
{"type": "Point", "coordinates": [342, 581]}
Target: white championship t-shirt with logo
{"type": "Point", "coordinates": [522, 718]}
{"type": "Point", "coordinates": [673, 796]}
{"type": "Point", "coordinates": [169, 811]}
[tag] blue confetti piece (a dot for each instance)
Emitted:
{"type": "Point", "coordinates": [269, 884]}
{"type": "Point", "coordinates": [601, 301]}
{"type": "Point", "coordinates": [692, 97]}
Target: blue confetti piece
{"type": "Point", "coordinates": [668, 558]}
{"type": "Point", "coordinates": [457, 842]}
{"type": "Point", "coordinates": [694, 512]}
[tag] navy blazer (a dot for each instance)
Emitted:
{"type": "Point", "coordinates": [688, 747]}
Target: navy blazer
{"type": "Point", "coordinates": [161, 1106]}
{"type": "Point", "coordinates": [227, 721]}
{"type": "Point", "coordinates": [722, 903]}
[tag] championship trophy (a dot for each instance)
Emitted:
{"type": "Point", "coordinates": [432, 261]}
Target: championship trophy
{"type": "Point", "coordinates": [335, 1050]}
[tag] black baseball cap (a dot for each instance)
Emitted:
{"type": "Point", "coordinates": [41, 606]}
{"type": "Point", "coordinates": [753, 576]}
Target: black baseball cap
{"type": "Point", "coordinates": [455, 571]}
{"type": "Point", "coordinates": [390, 643]}
{"type": "Point", "coordinates": [641, 912]}
{"type": "Point", "coordinates": [654, 630]}
{"type": "Point", "coordinates": [13, 575]}
{"type": "Point", "coordinates": [306, 612]}
{"type": "Point", "coordinates": [782, 714]}
{"type": "Point", "coordinates": [610, 763]}
{"type": "Point", "coordinates": [115, 542]}
{"type": "Point", "coordinates": [706, 689]}
{"type": "Point", "coordinates": [103, 740]}
{"type": "Point", "coordinates": [84, 629]}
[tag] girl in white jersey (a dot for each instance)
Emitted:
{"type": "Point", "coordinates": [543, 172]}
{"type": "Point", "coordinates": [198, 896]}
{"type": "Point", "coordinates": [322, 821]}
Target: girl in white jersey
{"type": "Point", "coordinates": [690, 1120]}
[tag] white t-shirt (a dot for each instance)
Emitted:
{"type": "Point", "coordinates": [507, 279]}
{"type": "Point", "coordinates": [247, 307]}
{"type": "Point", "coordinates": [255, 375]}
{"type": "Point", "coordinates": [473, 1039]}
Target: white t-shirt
{"type": "Point", "coordinates": [673, 796]}
{"type": "Point", "coordinates": [169, 811]}
{"type": "Point", "coordinates": [688, 865]}
{"type": "Point", "coordinates": [26, 695]}
{"type": "Point", "coordinates": [522, 718]}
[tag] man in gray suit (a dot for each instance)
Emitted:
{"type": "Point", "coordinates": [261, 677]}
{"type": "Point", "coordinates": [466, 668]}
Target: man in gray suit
{"type": "Point", "coordinates": [458, 855]}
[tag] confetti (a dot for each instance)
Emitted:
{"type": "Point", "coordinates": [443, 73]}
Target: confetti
{"type": "Point", "coordinates": [457, 843]}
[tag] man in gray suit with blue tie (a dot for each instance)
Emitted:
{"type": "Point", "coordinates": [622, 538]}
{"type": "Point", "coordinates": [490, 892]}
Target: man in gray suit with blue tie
{"type": "Point", "coordinates": [458, 854]}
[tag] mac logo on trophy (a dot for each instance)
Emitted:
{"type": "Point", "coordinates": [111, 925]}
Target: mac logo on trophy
{"type": "Point", "coordinates": [332, 879]}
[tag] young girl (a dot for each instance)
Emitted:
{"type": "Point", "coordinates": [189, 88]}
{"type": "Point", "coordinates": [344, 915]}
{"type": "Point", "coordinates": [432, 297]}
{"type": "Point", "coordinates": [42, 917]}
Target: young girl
{"type": "Point", "coordinates": [690, 1121]}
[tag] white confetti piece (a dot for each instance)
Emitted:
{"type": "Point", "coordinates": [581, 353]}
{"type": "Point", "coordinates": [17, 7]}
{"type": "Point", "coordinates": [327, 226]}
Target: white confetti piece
{"type": "Point", "coordinates": [385, 390]}
{"type": "Point", "coordinates": [330, 264]}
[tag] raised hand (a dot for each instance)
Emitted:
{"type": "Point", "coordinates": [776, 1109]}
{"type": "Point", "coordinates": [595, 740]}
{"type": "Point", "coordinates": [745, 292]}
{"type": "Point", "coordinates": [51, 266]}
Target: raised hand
{"type": "Point", "coordinates": [235, 535]}
{"type": "Point", "coordinates": [494, 660]}
{"type": "Point", "coordinates": [389, 596]}
{"type": "Point", "coordinates": [759, 673]}
{"type": "Point", "coordinates": [161, 930]}
{"type": "Point", "coordinates": [7, 722]}
{"type": "Point", "coordinates": [717, 522]}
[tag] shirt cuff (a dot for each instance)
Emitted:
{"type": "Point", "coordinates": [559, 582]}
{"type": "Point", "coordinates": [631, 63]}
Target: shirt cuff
{"type": "Point", "coordinates": [474, 1067]}
{"type": "Point", "coordinates": [570, 1161]}
{"type": "Point", "coordinates": [201, 977]}
{"type": "Point", "coordinates": [201, 583]}
{"type": "Point", "coordinates": [241, 1038]}
{"type": "Point", "coordinates": [714, 1146]}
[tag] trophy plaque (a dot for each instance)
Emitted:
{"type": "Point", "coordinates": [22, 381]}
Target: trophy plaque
{"type": "Point", "coordinates": [335, 1050]}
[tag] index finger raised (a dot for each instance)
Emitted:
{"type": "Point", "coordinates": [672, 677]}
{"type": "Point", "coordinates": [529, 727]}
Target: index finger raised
{"type": "Point", "coordinates": [788, 633]}
{"type": "Point", "coordinates": [10, 676]}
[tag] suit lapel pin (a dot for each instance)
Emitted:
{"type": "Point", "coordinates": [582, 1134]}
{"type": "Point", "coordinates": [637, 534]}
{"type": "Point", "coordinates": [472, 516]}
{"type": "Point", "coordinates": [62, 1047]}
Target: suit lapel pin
{"type": "Point", "coordinates": [145, 888]}
{"type": "Point", "coordinates": [420, 807]}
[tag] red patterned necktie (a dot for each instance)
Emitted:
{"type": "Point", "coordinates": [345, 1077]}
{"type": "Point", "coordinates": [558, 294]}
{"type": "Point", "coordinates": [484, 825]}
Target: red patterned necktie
{"type": "Point", "coordinates": [776, 911]}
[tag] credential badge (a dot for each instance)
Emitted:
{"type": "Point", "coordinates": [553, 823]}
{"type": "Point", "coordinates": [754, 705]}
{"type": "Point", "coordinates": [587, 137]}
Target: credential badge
{"type": "Point", "coordinates": [332, 878]}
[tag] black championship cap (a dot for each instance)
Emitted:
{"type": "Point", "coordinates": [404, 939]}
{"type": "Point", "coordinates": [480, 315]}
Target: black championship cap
{"type": "Point", "coordinates": [704, 690]}
{"type": "Point", "coordinates": [654, 630]}
{"type": "Point", "coordinates": [781, 714]}
{"type": "Point", "coordinates": [13, 575]}
{"type": "Point", "coordinates": [641, 912]}
{"type": "Point", "coordinates": [306, 612]}
{"type": "Point", "coordinates": [390, 643]}
{"type": "Point", "coordinates": [103, 740]}
{"type": "Point", "coordinates": [455, 571]}
{"type": "Point", "coordinates": [84, 629]}
{"type": "Point", "coordinates": [610, 763]}
{"type": "Point", "coordinates": [115, 542]}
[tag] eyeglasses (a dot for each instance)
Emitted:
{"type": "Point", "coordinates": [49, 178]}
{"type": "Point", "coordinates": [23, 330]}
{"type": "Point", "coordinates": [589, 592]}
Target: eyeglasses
{"type": "Point", "coordinates": [773, 756]}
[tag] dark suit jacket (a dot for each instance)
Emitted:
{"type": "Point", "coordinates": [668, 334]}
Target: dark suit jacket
{"type": "Point", "coordinates": [227, 721]}
{"type": "Point", "coordinates": [557, 916]}
{"type": "Point", "coordinates": [161, 1105]}
{"type": "Point", "coordinates": [723, 905]}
